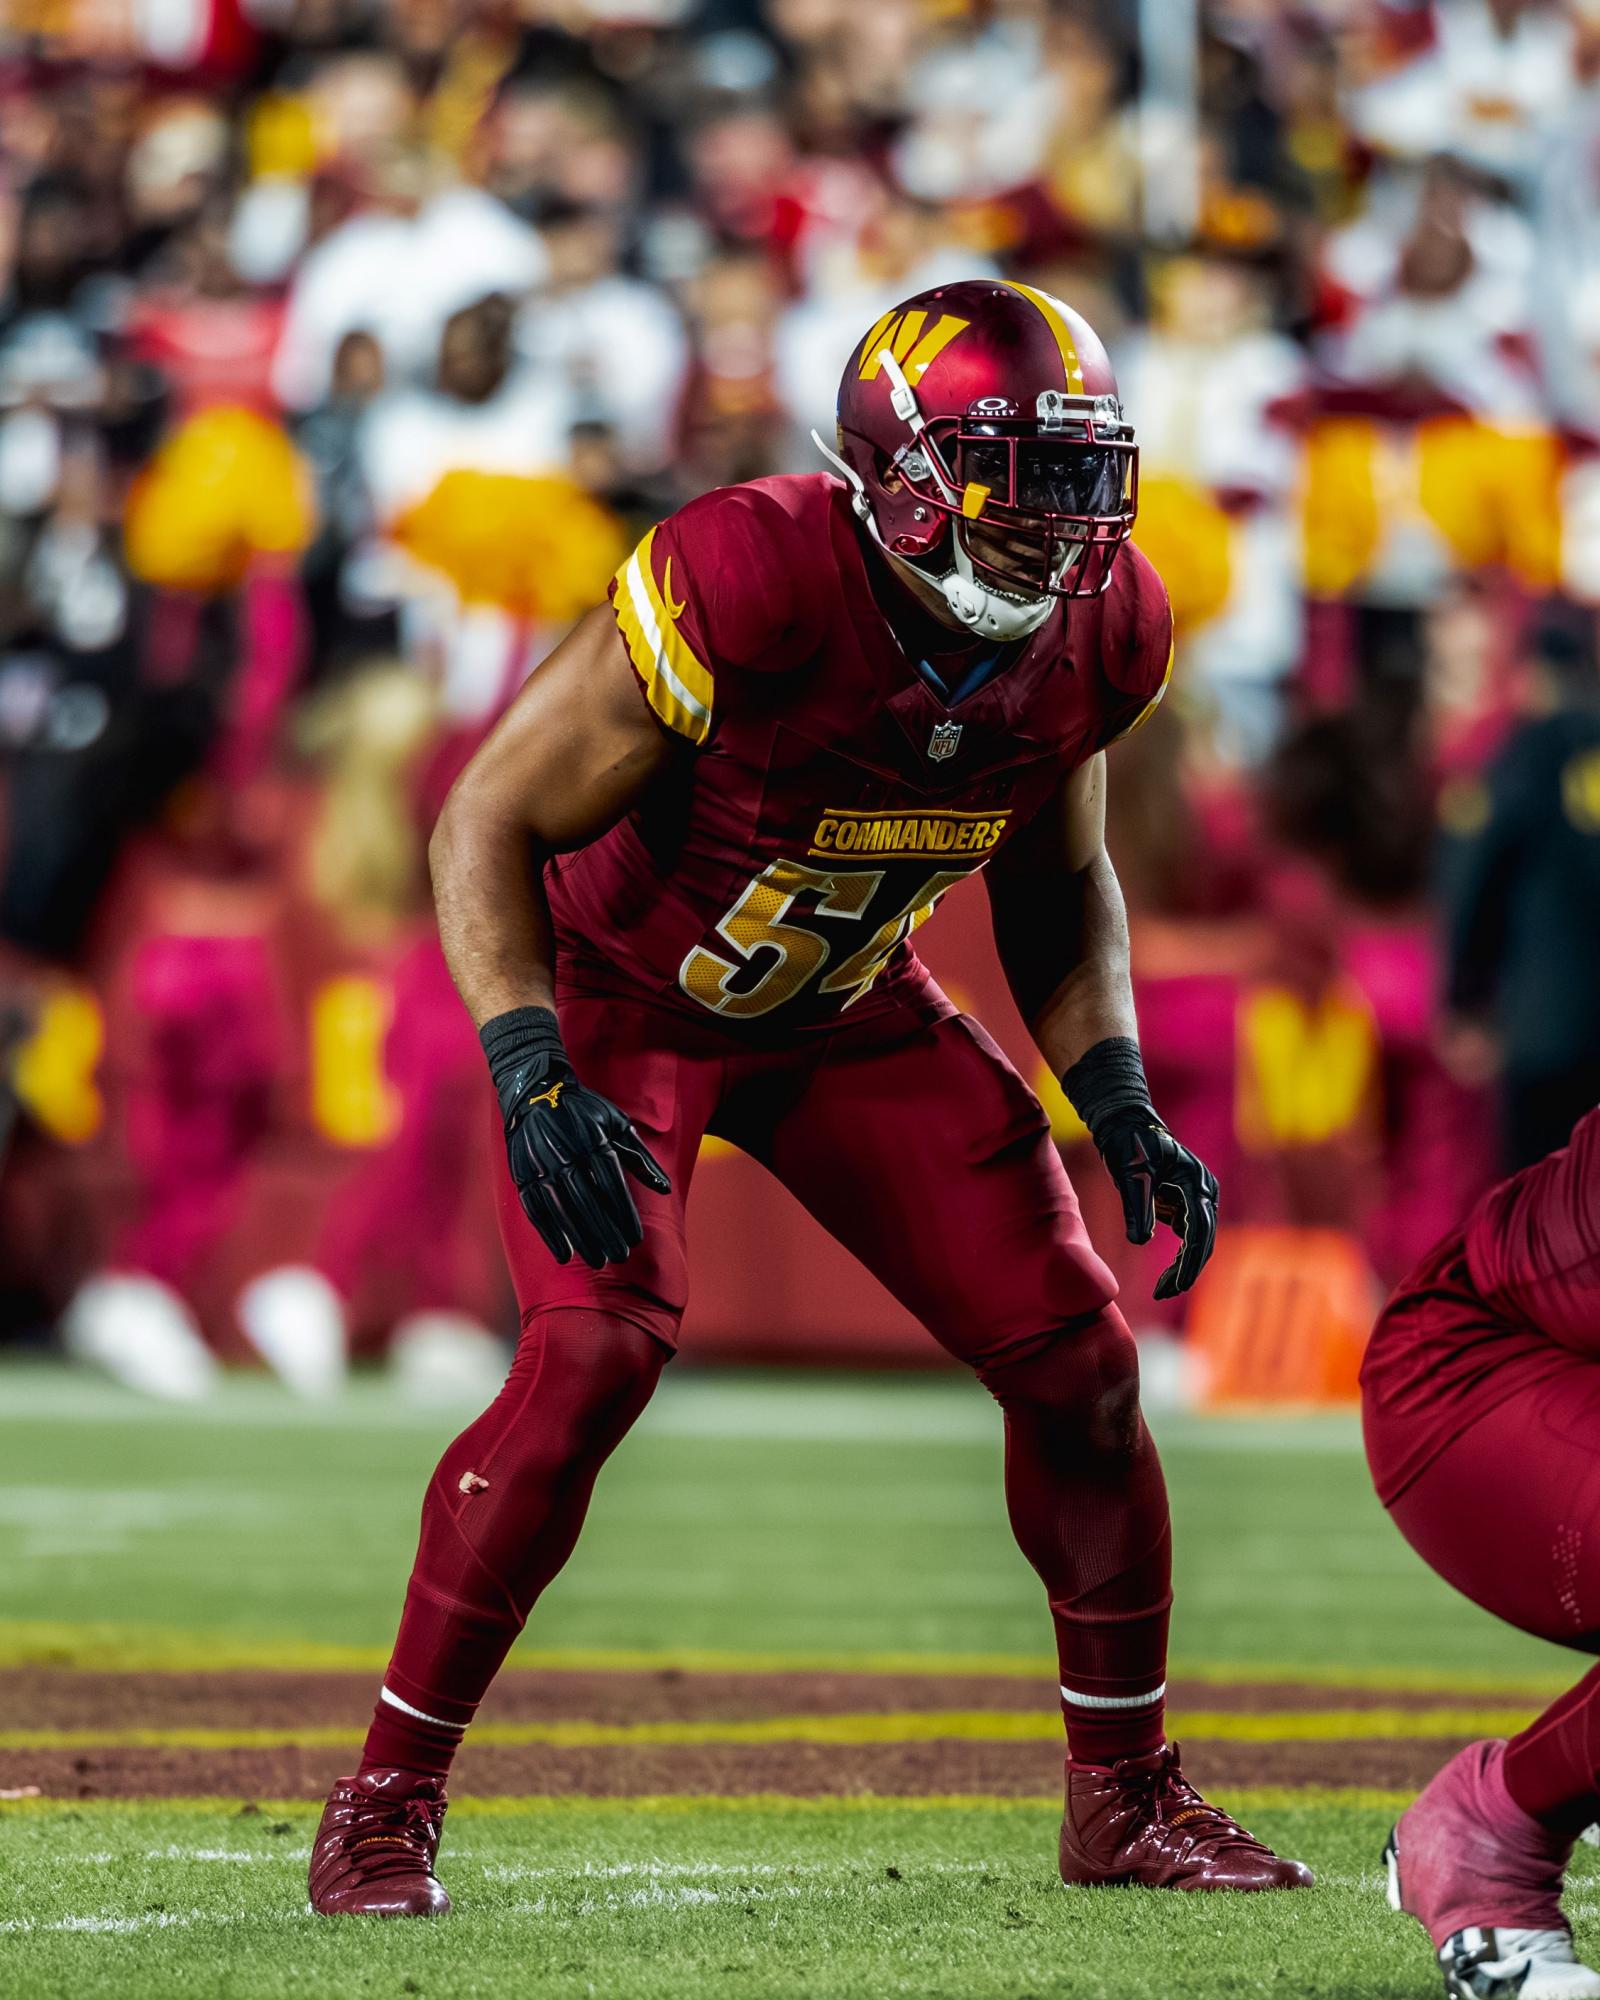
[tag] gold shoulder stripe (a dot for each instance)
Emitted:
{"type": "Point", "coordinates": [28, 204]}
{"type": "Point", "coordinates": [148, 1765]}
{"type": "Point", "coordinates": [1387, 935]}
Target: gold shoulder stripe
{"type": "Point", "coordinates": [1050, 310]}
{"type": "Point", "coordinates": [677, 682]}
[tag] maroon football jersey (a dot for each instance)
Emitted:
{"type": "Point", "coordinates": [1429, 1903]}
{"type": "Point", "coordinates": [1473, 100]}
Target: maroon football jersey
{"type": "Point", "coordinates": [1489, 1313]}
{"type": "Point", "coordinates": [827, 797]}
{"type": "Point", "coordinates": [1533, 1242]}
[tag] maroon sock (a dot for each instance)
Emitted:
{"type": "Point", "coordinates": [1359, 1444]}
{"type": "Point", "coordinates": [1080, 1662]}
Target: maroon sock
{"type": "Point", "coordinates": [500, 1517]}
{"type": "Point", "coordinates": [1552, 1768]}
{"type": "Point", "coordinates": [1088, 1507]}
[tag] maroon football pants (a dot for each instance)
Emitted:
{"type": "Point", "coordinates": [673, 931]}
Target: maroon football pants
{"type": "Point", "coordinates": [1508, 1511]}
{"type": "Point", "coordinates": [915, 1142]}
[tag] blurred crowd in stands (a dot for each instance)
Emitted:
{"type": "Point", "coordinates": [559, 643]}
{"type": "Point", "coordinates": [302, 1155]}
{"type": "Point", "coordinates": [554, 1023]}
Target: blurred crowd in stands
{"type": "Point", "coordinates": [346, 346]}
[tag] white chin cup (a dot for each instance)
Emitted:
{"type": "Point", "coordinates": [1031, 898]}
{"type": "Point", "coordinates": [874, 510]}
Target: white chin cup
{"type": "Point", "coordinates": [989, 612]}
{"type": "Point", "coordinates": [986, 612]}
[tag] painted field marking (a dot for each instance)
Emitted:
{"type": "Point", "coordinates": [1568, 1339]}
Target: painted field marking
{"type": "Point", "coordinates": [1241, 1800]}
{"type": "Point", "coordinates": [148, 1920]}
{"type": "Point", "coordinates": [862, 1869]}
{"type": "Point", "coordinates": [891, 1411]}
{"type": "Point", "coordinates": [1331, 1725]}
{"type": "Point", "coordinates": [160, 1649]}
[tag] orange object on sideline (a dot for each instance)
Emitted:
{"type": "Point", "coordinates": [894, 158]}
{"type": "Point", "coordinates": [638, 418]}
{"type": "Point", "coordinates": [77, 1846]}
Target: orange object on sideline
{"type": "Point", "coordinates": [1281, 1315]}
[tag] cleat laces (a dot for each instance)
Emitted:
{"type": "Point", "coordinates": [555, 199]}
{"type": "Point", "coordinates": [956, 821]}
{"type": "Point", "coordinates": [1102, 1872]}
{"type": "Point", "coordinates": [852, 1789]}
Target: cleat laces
{"type": "Point", "coordinates": [1174, 1802]}
{"type": "Point", "coordinates": [405, 1841]}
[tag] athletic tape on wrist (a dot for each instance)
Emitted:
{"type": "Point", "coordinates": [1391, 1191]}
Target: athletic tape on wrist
{"type": "Point", "coordinates": [520, 1037]}
{"type": "Point", "coordinates": [1107, 1079]}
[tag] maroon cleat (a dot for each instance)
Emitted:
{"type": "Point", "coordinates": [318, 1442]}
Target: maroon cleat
{"type": "Point", "coordinates": [374, 1851]}
{"type": "Point", "coordinates": [1142, 1823]}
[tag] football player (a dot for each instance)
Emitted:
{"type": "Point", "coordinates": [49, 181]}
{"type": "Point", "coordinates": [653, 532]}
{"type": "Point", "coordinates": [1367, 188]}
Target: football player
{"type": "Point", "coordinates": [677, 888]}
{"type": "Point", "coordinates": [1481, 1401]}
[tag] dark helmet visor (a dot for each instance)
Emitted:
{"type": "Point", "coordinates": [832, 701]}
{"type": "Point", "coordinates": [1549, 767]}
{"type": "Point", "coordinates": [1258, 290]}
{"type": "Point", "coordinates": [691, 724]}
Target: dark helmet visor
{"type": "Point", "coordinates": [1048, 475]}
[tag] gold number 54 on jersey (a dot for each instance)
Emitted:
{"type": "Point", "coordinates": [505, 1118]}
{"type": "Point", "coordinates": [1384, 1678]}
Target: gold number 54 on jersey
{"type": "Point", "coordinates": [757, 921]}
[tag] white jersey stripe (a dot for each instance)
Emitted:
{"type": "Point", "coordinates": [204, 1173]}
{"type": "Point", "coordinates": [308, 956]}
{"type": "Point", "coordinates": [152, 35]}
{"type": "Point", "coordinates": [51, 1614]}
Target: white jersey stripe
{"type": "Point", "coordinates": [645, 611]}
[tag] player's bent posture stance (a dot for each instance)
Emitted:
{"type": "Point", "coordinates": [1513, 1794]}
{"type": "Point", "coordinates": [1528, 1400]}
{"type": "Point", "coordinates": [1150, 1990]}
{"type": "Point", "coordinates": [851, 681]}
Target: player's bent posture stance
{"type": "Point", "coordinates": [677, 888]}
{"type": "Point", "coordinates": [1481, 1397]}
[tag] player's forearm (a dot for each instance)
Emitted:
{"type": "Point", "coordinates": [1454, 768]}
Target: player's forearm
{"type": "Point", "coordinates": [1066, 957]}
{"type": "Point", "coordinates": [494, 922]}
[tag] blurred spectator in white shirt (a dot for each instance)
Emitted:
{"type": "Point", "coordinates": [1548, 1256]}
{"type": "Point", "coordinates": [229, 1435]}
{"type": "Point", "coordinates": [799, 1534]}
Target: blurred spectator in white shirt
{"type": "Point", "coordinates": [983, 111]}
{"type": "Point", "coordinates": [1497, 73]}
{"type": "Point", "coordinates": [1566, 217]}
{"type": "Point", "coordinates": [1218, 476]}
{"type": "Point", "coordinates": [482, 537]}
{"type": "Point", "coordinates": [616, 343]}
{"type": "Point", "coordinates": [399, 269]}
{"type": "Point", "coordinates": [482, 413]}
{"type": "Point", "coordinates": [1444, 301]}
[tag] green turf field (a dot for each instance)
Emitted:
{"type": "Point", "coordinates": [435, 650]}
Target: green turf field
{"type": "Point", "coordinates": [745, 1513]}
{"type": "Point", "coordinates": [853, 1901]}
{"type": "Point", "coordinates": [770, 1521]}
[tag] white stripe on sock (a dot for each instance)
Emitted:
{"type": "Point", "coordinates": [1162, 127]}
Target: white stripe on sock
{"type": "Point", "coordinates": [422, 1715]}
{"type": "Point", "coordinates": [1113, 1700]}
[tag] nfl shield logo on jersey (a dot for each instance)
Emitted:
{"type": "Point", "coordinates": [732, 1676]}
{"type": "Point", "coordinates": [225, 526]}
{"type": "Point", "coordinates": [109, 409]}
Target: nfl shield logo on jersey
{"type": "Point", "coordinates": [944, 741]}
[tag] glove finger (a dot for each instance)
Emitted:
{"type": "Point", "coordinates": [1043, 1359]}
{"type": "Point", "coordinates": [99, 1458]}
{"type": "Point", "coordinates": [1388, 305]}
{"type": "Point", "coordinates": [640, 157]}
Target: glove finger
{"type": "Point", "coordinates": [616, 1200]}
{"type": "Point", "coordinates": [1172, 1208]}
{"type": "Point", "coordinates": [1199, 1242]}
{"type": "Point", "coordinates": [1136, 1185]}
{"type": "Point", "coordinates": [637, 1157]}
{"type": "Point", "coordinates": [1194, 1218]}
{"type": "Point", "coordinates": [591, 1238]}
{"type": "Point", "coordinates": [612, 1223]}
{"type": "Point", "coordinates": [541, 1212]}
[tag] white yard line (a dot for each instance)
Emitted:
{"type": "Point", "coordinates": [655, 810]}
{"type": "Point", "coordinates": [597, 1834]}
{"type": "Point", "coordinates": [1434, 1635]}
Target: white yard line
{"type": "Point", "coordinates": [104, 1924]}
{"type": "Point", "coordinates": [780, 1406]}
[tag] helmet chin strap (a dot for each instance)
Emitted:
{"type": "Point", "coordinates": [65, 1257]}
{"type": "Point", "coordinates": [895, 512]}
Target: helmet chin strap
{"type": "Point", "coordinates": [983, 611]}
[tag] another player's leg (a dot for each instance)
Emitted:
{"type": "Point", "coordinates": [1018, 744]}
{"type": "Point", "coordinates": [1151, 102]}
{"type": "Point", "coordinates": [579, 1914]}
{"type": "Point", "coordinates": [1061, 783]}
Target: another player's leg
{"type": "Point", "coordinates": [1509, 1513]}
{"type": "Point", "coordinates": [926, 1154]}
{"type": "Point", "coordinates": [506, 1503]}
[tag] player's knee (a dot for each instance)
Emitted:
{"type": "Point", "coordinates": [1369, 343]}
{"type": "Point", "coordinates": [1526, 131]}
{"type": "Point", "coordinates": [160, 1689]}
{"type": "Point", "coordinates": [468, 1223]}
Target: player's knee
{"type": "Point", "coordinates": [580, 1377]}
{"type": "Point", "coordinates": [1081, 1381]}
{"type": "Point", "coordinates": [583, 1359]}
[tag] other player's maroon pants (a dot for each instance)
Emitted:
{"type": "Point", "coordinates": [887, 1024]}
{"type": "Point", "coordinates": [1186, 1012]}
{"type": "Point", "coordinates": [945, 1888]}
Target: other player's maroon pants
{"type": "Point", "coordinates": [916, 1143]}
{"type": "Point", "coordinates": [1484, 1438]}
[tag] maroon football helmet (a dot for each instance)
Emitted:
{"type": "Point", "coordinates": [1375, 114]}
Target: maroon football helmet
{"type": "Point", "coordinates": [980, 426]}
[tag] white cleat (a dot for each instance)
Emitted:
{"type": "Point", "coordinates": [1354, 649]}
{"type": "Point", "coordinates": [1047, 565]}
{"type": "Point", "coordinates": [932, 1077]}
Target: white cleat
{"type": "Point", "coordinates": [139, 1332]}
{"type": "Point", "coordinates": [1504, 1964]}
{"type": "Point", "coordinates": [446, 1357]}
{"type": "Point", "coordinates": [295, 1320]}
{"type": "Point", "coordinates": [1465, 1847]}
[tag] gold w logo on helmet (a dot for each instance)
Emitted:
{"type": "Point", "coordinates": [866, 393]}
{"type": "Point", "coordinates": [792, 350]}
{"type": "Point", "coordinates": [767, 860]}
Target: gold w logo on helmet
{"type": "Point", "coordinates": [914, 349]}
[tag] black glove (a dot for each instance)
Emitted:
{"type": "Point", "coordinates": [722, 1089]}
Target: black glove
{"type": "Point", "coordinates": [567, 1145]}
{"type": "Point", "coordinates": [1157, 1178]}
